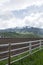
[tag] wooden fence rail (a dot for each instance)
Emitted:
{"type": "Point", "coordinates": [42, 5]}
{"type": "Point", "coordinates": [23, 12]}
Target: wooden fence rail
{"type": "Point", "coordinates": [7, 51]}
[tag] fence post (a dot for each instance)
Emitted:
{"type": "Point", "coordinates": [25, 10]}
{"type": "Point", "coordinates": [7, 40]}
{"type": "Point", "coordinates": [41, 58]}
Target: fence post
{"type": "Point", "coordinates": [40, 44]}
{"type": "Point", "coordinates": [9, 53]}
{"type": "Point", "coordinates": [30, 48]}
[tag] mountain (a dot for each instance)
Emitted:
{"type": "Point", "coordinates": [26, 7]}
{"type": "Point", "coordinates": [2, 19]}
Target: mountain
{"type": "Point", "coordinates": [24, 29]}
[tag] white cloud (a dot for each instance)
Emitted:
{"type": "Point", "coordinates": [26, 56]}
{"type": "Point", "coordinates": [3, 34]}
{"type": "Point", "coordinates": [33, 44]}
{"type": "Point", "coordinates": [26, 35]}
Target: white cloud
{"type": "Point", "coordinates": [3, 1]}
{"type": "Point", "coordinates": [20, 4]}
{"type": "Point", "coordinates": [6, 15]}
{"type": "Point", "coordinates": [11, 23]}
{"type": "Point", "coordinates": [7, 19]}
{"type": "Point", "coordinates": [34, 20]}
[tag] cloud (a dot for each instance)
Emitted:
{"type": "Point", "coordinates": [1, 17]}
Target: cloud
{"type": "Point", "coordinates": [2, 2]}
{"type": "Point", "coordinates": [20, 4]}
{"type": "Point", "coordinates": [34, 20]}
{"type": "Point", "coordinates": [19, 13]}
{"type": "Point", "coordinates": [6, 15]}
{"type": "Point", "coordinates": [11, 23]}
{"type": "Point", "coordinates": [27, 11]}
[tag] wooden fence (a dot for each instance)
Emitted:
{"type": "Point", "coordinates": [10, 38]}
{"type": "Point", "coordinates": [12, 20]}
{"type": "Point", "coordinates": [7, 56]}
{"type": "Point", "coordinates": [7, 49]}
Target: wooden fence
{"type": "Point", "coordinates": [10, 50]}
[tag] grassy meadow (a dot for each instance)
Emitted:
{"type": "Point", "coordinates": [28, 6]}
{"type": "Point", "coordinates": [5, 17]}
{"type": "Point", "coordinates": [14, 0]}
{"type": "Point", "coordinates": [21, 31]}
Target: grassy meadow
{"type": "Point", "coordinates": [35, 59]}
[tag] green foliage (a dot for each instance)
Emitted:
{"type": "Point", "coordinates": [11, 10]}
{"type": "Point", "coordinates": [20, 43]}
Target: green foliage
{"type": "Point", "coordinates": [18, 35]}
{"type": "Point", "coordinates": [35, 59]}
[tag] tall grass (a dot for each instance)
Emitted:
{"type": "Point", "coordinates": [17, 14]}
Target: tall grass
{"type": "Point", "coordinates": [35, 59]}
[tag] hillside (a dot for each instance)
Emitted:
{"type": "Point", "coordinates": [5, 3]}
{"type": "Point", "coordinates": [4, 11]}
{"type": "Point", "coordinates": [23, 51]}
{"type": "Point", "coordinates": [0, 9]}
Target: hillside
{"type": "Point", "coordinates": [24, 29]}
{"type": "Point", "coordinates": [18, 35]}
{"type": "Point", "coordinates": [25, 32]}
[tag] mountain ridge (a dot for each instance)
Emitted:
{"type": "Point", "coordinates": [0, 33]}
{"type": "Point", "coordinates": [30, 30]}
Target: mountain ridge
{"type": "Point", "coordinates": [24, 29]}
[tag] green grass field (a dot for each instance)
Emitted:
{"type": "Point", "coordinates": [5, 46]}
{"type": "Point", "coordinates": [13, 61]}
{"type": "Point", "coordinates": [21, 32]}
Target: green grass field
{"type": "Point", "coordinates": [35, 59]}
{"type": "Point", "coordinates": [18, 35]}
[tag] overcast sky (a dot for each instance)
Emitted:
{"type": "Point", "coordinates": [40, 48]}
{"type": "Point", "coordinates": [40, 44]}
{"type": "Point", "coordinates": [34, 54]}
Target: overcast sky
{"type": "Point", "coordinates": [20, 13]}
